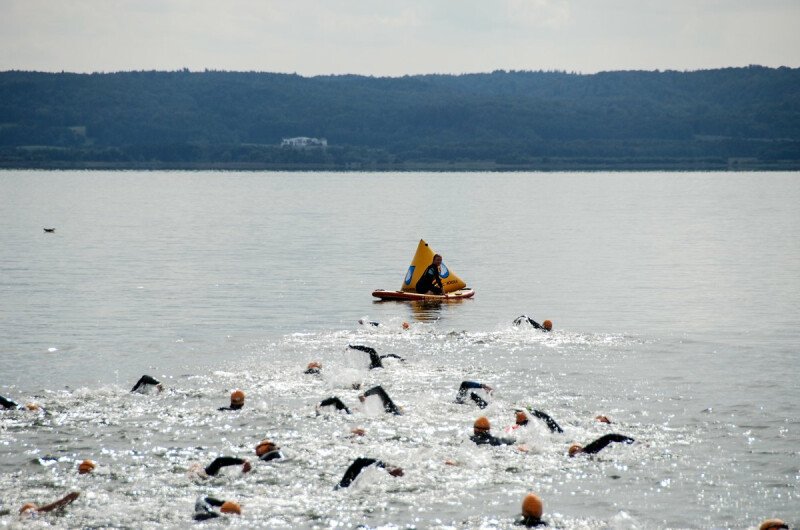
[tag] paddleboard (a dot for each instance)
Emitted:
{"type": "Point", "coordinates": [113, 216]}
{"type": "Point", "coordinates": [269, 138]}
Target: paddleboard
{"type": "Point", "coordinates": [405, 295]}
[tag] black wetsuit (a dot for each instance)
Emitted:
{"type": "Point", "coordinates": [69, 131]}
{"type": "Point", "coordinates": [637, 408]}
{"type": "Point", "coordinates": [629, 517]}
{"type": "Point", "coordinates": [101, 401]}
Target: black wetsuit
{"type": "Point", "coordinates": [232, 407]}
{"type": "Point", "coordinates": [430, 281]}
{"type": "Point", "coordinates": [355, 469]}
{"type": "Point", "coordinates": [531, 522]}
{"type": "Point", "coordinates": [462, 393]}
{"type": "Point", "coordinates": [213, 468]}
{"type": "Point", "coordinates": [484, 438]}
{"type": "Point", "coordinates": [374, 358]}
{"type": "Point", "coordinates": [313, 371]}
{"type": "Point", "coordinates": [272, 455]}
{"type": "Point", "coordinates": [525, 318]}
{"type": "Point", "coordinates": [551, 423]}
{"type": "Point", "coordinates": [8, 404]}
{"type": "Point", "coordinates": [203, 508]}
{"type": "Point", "coordinates": [601, 443]}
{"type": "Point", "coordinates": [143, 382]}
{"type": "Point", "coordinates": [334, 402]}
{"type": "Point", "coordinates": [388, 404]}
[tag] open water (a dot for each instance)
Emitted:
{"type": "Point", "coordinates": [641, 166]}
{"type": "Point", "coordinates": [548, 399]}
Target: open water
{"type": "Point", "coordinates": [675, 299]}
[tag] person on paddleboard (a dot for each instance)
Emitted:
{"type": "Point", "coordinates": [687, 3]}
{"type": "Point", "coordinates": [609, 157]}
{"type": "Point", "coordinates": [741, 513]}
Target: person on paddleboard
{"type": "Point", "coordinates": [431, 282]}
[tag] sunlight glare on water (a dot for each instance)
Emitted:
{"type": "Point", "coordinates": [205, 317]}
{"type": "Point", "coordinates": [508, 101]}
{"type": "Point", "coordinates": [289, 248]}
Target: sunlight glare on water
{"type": "Point", "coordinates": [674, 297]}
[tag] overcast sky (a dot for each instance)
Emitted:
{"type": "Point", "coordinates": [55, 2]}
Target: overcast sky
{"type": "Point", "coordinates": [377, 37]}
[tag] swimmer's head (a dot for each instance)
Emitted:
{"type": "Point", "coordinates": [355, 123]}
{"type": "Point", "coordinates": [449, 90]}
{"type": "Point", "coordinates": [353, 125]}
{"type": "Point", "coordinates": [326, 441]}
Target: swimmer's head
{"type": "Point", "coordinates": [602, 419]}
{"type": "Point", "coordinates": [547, 324]}
{"type": "Point", "coordinates": [532, 506]}
{"type": "Point", "coordinates": [574, 449]}
{"type": "Point", "coordinates": [406, 325]}
{"type": "Point", "coordinates": [231, 507]}
{"type": "Point", "coordinates": [522, 418]}
{"type": "Point", "coordinates": [264, 447]}
{"type": "Point", "coordinates": [33, 407]}
{"type": "Point", "coordinates": [314, 365]}
{"type": "Point", "coordinates": [773, 524]}
{"type": "Point", "coordinates": [86, 467]}
{"type": "Point", "coordinates": [482, 425]}
{"type": "Point", "coordinates": [237, 398]}
{"type": "Point", "coordinates": [28, 508]}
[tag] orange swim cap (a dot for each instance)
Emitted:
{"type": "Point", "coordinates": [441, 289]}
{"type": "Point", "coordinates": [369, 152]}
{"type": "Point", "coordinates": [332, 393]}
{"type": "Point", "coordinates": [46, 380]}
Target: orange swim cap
{"type": "Point", "coordinates": [532, 506]}
{"type": "Point", "coordinates": [28, 507]}
{"type": "Point", "coordinates": [314, 365]}
{"type": "Point", "coordinates": [231, 507]}
{"type": "Point", "coordinates": [264, 447]}
{"type": "Point", "coordinates": [33, 407]}
{"type": "Point", "coordinates": [237, 397]}
{"type": "Point", "coordinates": [87, 466]}
{"type": "Point", "coordinates": [406, 325]}
{"type": "Point", "coordinates": [547, 325]}
{"type": "Point", "coordinates": [771, 524]}
{"type": "Point", "coordinates": [482, 423]}
{"type": "Point", "coordinates": [521, 417]}
{"type": "Point", "coordinates": [575, 449]}
{"type": "Point", "coordinates": [602, 419]}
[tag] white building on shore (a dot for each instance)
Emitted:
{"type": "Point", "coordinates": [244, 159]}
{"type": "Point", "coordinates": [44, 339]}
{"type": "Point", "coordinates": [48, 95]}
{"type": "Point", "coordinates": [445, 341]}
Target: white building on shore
{"type": "Point", "coordinates": [302, 142]}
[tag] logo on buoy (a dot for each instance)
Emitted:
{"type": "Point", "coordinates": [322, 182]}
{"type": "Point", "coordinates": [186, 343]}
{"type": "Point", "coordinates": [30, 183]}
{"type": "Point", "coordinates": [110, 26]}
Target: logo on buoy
{"type": "Point", "coordinates": [444, 272]}
{"type": "Point", "coordinates": [409, 275]}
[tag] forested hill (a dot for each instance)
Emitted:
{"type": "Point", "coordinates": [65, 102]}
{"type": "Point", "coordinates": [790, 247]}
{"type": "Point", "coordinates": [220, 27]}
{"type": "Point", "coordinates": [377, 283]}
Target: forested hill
{"type": "Point", "coordinates": [711, 118]}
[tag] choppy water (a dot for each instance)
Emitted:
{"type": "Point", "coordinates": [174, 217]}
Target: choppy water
{"type": "Point", "coordinates": [674, 296]}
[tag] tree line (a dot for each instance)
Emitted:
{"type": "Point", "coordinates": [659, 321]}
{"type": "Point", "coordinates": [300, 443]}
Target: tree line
{"type": "Point", "coordinates": [501, 119]}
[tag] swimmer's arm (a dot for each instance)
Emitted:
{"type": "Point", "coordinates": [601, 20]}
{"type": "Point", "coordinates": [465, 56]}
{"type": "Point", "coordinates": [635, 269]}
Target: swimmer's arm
{"type": "Point", "coordinates": [214, 502]}
{"type": "Point", "coordinates": [355, 469]}
{"type": "Point", "coordinates": [60, 503]}
{"type": "Point", "coordinates": [7, 403]}
{"type": "Point", "coordinates": [145, 380]}
{"type": "Point", "coordinates": [335, 402]}
{"type": "Point", "coordinates": [394, 355]}
{"type": "Point", "coordinates": [551, 423]}
{"type": "Point", "coordinates": [359, 347]}
{"type": "Point", "coordinates": [601, 443]}
{"type": "Point", "coordinates": [223, 461]}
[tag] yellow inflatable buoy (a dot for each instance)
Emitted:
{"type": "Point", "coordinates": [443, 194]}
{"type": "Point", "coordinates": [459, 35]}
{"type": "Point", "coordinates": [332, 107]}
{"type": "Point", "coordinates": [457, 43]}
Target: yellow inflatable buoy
{"type": "Point", "coordinates": [422, 259]}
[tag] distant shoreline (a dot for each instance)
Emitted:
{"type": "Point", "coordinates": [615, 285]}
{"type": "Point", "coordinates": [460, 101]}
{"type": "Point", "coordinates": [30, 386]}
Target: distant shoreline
{"type": "Point", "coordinates": [460, 167]}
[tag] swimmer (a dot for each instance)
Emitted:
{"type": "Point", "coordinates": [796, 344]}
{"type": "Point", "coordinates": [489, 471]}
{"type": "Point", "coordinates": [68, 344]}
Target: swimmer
{"type": "Point", "coordinates": [522, 419]}
{"type": "Point", "coordinates": [375, 360]}
{"type": "Point", "coordinates": [544, 326]}
{"type": "Point", "coordinates": [773, 524]}
{"type": "Point", "coordinates": [368, 322]}
{"type": "Point", "coordinates": [532, 509]}
{"type": "Point", "coordinates": [482, 436]}
{"type": "Point", "coordinates": [388, 404]}
{"type": "Point", "coordinates": [599, 444]}
{"type": "Point", "coordinates": [8, 404]}
{"type": "Point", "coordinates": [204, 508]}
{"type": "Point", "coordinates": [237, 401]}
{"type": "Point", "coordinates": [147, 384]}
{"type": "Point", "coordinates": [267, 450]}
{"type": "Point", "coordinates": [333, 402]}
{"type": "Point", "coordinates": [603, 419]}
{"type": "Point", "coordinates": [313, 368]}
{"type": "Point", "coordinates": [29, 508]}
{"type": "Point", "coordinates": [223, 461]}
{"type": "Point", "coordinates": [86, 467]}
{"type": "Point", "coordinates": [358, 466]}
{"type": "Point", "coordinates": [469, 385]}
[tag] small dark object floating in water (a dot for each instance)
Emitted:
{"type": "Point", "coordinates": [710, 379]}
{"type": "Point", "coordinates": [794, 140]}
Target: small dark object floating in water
{"type": "Point", "coordinates": [50, 230]}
